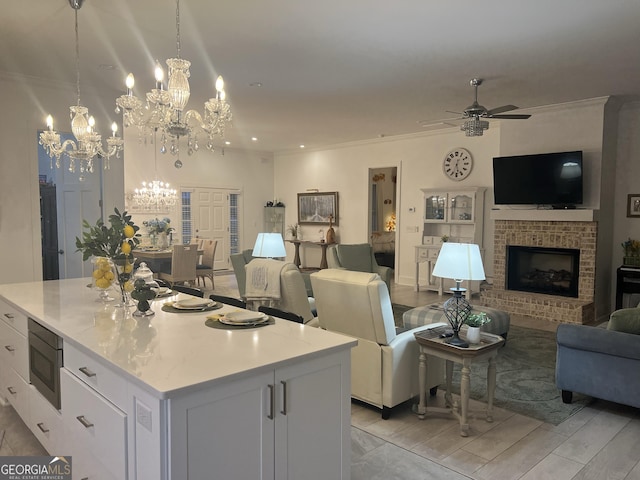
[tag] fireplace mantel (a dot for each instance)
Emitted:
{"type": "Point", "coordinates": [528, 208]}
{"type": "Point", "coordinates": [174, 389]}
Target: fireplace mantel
{"type": "Point", "coordinates": [545, 215]}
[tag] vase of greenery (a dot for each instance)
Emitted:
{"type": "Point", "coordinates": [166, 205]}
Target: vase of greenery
{"type": "Point", "coordinates": [115, 242]}
{"type": "Point", "coordinates": [474, 321]}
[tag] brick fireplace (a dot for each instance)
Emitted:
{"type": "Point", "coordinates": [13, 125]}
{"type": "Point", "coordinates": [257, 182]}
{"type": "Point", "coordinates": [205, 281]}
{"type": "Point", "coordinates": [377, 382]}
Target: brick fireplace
{"type": "Point", "coordinates": [580, 235]}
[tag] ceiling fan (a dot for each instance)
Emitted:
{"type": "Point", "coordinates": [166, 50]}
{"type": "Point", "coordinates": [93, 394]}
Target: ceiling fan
{"type": "Point", "coordinates": [474, 126]}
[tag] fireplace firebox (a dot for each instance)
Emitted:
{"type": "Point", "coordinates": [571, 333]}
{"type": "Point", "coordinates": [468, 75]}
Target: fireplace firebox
{"type": "Point", "coordinates": [553, 271]}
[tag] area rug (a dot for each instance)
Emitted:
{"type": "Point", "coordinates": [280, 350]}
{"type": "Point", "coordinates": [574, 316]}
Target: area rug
{"type": "Point", "coordinates": [525, 378]}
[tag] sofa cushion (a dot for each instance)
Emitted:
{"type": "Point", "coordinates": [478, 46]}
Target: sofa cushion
{"type": "Point", "coordinates": [625, 320]}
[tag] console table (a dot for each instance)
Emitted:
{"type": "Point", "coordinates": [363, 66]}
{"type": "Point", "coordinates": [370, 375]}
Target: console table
{"type": "Point", "coordinates": [323, 245]}
{"type": "Point", "coordinates": [627, 281]}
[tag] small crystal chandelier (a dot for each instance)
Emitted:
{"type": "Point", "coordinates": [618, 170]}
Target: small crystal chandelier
{"type": "Point", "coordinates": [164, 109]}
{"type": "Point", "coordinates": [474, 127]}
{"type": "Point", "coordinates": [155, 195]}
{"type": "Point", "coordinates": [88, 143]}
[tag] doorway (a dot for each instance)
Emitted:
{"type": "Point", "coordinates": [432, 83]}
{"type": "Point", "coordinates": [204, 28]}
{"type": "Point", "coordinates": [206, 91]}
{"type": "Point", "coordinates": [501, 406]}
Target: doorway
{"type": "Point", "coordinates": [77, 197]}
{"type": "Point", "coordinates": [382, 213]}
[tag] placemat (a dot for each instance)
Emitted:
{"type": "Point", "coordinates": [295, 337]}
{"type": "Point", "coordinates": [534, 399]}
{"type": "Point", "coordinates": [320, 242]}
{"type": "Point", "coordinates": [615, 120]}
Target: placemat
{"type": "Point", "coordinates": [215, 323]}
{"type": "Point", "coordinates": [168, 307]}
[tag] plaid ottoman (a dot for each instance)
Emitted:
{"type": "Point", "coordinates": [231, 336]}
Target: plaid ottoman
{"type": "Point", "coordinates": [434, 313]}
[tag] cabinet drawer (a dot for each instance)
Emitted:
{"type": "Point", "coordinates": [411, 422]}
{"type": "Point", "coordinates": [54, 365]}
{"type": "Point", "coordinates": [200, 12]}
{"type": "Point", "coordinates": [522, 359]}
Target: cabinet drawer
{"type": "Point", "coordinates": [17, 392]}
{"type": "Point", "coordinates": [433, 253]}
{"type": "Point", "coordinates": [94, 424]}
{"type": "Point", "coordinates": [46, 421]}
{"type": "Point", "coordinates": [13, 317]}
{"type": "Point", "coordinates": [423, 254]}
{"type": "Point", "coordinates": [14, 350]}
{"type": "Point", "coordinates": [96, 375]}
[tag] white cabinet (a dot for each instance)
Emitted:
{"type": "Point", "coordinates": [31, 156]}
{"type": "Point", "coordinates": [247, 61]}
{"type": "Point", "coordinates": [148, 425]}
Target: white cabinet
{"type": "Point", "coordinates": [93, 428]}
{"type": "Point", "coordinates": [454, 215]}
{"type": "Point", "coordinates": [45, 422]}
{"type": "Point", "coordinates": [286, 423]}
{"type": "Point", "coordinates": [274, 220]}
{"type": "Point", "coordinates": [14, 359]}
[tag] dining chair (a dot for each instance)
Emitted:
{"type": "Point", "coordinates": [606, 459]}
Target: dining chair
{"type": "Point", "coordinates": [204, 269]}
{"type": "Point", "coordinates": [183, 265]}
{"type": "Point", "coordinates": [276, 312]}
{"type": "Point", "coordinates": [196, 292]}
{"type": "Point", "coordinates": [236, 302]}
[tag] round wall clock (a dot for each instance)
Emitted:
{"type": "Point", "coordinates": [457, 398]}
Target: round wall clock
{"type": "Point", "coordinates": [457, 164]}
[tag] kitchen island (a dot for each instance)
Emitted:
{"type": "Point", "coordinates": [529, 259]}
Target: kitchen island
{"type": "Point", "coordinates": [171, 398]}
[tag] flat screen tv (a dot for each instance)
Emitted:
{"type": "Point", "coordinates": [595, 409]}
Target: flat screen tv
{"type": "Point", "coordinates": [553, 179]}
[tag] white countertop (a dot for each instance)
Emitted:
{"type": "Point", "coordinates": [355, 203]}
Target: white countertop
{"type": "Point", "coordinates": [173, 353]}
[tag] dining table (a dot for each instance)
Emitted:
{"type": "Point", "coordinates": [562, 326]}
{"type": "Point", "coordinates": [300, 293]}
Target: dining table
{"type": "Point", "coordinates": [156, 258]}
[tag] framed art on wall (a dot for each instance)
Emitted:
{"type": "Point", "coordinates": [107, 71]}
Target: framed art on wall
{"type": "Point", "coordinates": [315, 208]}
{"type": "Point", "coordinates": [633, 205]}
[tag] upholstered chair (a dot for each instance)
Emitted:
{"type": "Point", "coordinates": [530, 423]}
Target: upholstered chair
{"type": "Point", "coordinates": [359, 258]}
{"type": "Point", "coordinates": [239, 261]}
{"type": "Point", "coordinates": [384, 364]}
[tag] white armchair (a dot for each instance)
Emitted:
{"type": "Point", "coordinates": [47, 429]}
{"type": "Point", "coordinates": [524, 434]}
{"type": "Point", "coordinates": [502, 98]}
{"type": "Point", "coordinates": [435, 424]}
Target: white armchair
{"type": "Point", "coordinates": [293, 294]}
{"type": "Point", "coordinates": [384, 364]}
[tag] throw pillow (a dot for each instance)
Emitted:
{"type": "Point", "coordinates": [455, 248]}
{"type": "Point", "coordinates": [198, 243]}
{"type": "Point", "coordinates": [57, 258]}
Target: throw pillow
{"type": "Point", "coordinates": [625, 320]}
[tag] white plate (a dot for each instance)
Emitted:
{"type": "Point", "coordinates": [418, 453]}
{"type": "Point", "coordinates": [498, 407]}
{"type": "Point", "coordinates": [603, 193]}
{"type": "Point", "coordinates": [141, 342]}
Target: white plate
{"type": "Point", "coordinates": [162, 291]}
{"type": "Point", "coordinates": [193, 304]}
{"type": "Point", "coordinates": [244, 317]}
{"type": "Point", "coordinates": [254, 321]}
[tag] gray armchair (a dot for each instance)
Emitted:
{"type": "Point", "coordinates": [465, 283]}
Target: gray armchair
{"type": "Point", "coordinates": [238, 261]}
{"type": "Point", "coordinates": [357, 257]}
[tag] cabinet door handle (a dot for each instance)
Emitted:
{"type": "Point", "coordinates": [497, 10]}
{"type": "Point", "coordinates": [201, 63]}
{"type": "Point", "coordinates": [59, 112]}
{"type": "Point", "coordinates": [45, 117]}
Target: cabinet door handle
{"type": "Point", "coordinates": [9, 316]}
{"type": "Point", "coordinates": [11, 390]}
{"type": "Point", "coordinates": [87, 372]}
{"type": "Point", "coordinates": [85, 423]}
{"type": "Point", "coordinates": [272, 402]}
{"type": "Point", "coordinates": [41, 427]}
{"type": "Point", "coordinates": [9, 348]}
{"type": "Point", "coordinates": [284, 397]}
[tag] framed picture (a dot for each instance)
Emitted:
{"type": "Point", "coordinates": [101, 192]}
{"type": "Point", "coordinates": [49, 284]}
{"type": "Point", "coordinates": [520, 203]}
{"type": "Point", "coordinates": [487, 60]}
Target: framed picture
{"type": "Point", "coordinates": [315, 208]}
{"type": "Point", "coordinates": [633, 205]}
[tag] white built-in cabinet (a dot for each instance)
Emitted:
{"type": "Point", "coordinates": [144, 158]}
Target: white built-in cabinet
{"type": "Point", "coordinates": [283, 423]}
{"type": "Point", "coordinates": [454, 215]}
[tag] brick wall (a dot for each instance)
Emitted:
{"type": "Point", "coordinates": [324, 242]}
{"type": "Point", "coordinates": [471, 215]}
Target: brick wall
{"type": "Point", "coordinates": [550, 234]}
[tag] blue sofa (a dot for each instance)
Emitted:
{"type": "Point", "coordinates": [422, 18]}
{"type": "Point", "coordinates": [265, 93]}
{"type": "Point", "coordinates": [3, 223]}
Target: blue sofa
{"type": "Point", "coordinates": [598, 362]}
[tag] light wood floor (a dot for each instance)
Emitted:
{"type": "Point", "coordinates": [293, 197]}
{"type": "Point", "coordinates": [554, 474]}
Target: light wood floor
{"type": "Point", "coordinates": [599, 442]}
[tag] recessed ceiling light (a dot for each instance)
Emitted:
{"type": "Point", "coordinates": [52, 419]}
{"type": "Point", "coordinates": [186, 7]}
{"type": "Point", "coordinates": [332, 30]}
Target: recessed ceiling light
{"type": "Point", "coordinates": [301, 146]}
{"type": "Point", "coordinates": [106, 66]}
{"type": "Point", "coordinates": [255, 84]}
{"type": "Point", "coordinates": [254, 139]}
{"type": "Point", "coordinates": [227, 142]}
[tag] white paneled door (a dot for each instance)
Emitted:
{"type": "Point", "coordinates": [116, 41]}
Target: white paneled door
{"type": "Point", "coordinates": [210, 216]}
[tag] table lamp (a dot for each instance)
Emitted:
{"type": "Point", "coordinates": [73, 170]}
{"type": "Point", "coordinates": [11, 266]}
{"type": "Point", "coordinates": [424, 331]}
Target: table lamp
{"type": "Point", "coordinates": [458, 261]}
{"type": "Point", "coordinates": [269, 245]}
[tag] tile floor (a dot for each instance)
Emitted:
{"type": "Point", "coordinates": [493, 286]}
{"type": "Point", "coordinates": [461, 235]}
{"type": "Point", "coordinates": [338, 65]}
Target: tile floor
{"type": "Point", "coordinates": [599, 442]}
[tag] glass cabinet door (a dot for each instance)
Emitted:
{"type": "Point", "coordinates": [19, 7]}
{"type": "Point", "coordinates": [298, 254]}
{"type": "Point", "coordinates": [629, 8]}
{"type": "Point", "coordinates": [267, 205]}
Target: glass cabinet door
{"type": "Point", "coordinates": [435, 206]}
{"type": "Point", "coordinates": [461, 208]}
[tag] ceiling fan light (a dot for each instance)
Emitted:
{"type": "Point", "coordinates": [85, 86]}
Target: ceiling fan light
{"type": "Point", "coordinates": [474, 127]}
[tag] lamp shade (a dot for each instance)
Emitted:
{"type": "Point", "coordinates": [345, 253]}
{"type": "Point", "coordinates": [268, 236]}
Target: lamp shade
{"type": "Point", "coordinates": [269, 245]}
{"type": "Point", "coordinates": [459, 261]}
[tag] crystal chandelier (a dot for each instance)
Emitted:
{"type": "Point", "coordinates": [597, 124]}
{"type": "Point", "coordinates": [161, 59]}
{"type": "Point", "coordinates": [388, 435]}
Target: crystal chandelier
{"type": "Point", "coordinates": [155, 195]}
{"type": "Point", "coordinates": [87, 142]}
{"type": "Point", "coordinates": [164, 109]}
{"type": "Point", "coordinates": [474, 127]}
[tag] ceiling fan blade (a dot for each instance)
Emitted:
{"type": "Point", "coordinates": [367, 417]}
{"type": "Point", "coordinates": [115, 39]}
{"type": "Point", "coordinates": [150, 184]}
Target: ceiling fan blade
{"type": "Point", "coordinates": [512, 117]}
{"type": "Point", "coordinates": [502, 109]}
{"type": "Point", "coordinates": [451, 111]}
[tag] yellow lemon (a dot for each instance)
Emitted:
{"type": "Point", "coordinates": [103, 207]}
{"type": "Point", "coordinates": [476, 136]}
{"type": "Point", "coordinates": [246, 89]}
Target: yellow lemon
{"type": "Point", "coordinates": [105, 267]}
{"type": "Point", "coordinates": [128, 267]}
{"type": "Point", "coordinates": [109, 276]}
{"type": "Point", "coordinates": [128, 231]}
{"type": "Point", "coordinates": [103, 283]}
{"type": "Point", "coordinates": [98, 273]}
{"type": "Point", "coordinates": [126, 248]}
{"type": "Point", "coordinates": [128, 286]}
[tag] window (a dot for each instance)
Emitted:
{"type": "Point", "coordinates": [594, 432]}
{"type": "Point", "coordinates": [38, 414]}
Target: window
{"type": "Point", "coordinates": [187, 222]}
{"type": "Point", "coordinates": [234, 230]}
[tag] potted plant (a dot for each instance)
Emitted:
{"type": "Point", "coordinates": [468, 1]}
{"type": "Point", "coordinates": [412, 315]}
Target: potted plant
{"type": "Point", "coordinates": [474, 321]}
{"type": "Point", "coordinates": [294, 231]}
